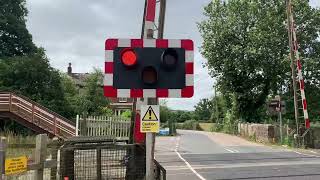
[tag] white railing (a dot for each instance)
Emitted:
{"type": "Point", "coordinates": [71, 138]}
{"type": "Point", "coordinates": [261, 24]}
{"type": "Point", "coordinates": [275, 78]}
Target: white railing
{"type": "Point", "coordinates": [113, 126]}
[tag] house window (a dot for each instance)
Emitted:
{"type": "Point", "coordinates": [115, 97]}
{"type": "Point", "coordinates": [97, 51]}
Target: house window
{"type": "Point", "coordinates": [123, 99]}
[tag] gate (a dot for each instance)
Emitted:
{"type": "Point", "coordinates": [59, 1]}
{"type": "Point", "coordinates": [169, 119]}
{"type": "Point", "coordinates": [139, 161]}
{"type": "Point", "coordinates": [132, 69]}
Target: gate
{"type": "Point", "coordinates": [85, 158]}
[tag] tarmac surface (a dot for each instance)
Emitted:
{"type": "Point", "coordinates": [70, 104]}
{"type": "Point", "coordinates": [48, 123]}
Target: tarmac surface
{"type": "Point", "coordinates": [194, 155]}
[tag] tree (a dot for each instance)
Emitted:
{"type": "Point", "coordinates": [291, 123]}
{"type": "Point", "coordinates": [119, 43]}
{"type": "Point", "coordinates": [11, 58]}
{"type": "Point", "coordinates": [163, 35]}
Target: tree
{"type": "Point", "coordinates": [127, 114]}
{"type": "Point", "coordinates": [15, 40]}
{"type": "Point", "coordinates": [71, 94]}
{"type": "Point", "coordinates": [219, 109]}
{"type": "Point", "coordinates": [92, 101]}
{"type": "Point", "coordinates": [33, 77]}
{"type": "Point", "coordinates": [164, 113]}
{"type": "Point", "coordinates": [246, 45]}
{"type": "Point", "coordinates": [203, 109]}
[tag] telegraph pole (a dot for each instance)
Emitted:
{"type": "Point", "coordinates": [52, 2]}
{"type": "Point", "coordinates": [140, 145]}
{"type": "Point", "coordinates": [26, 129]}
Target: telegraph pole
{"type": "Point", "coordinates": [216, 103]}
{"type": "Point", "coordinates": [293, 70]}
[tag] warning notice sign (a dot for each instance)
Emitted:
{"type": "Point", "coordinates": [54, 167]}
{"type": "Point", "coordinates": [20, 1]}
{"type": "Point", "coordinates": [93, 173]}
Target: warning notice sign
{"type": "Point", "coordinates": [16, 165]}
{"type": "Point", "coordinates": [150, 119]}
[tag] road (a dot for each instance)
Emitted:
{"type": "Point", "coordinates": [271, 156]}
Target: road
{"type": "Point", "coordinates": [194, 155]}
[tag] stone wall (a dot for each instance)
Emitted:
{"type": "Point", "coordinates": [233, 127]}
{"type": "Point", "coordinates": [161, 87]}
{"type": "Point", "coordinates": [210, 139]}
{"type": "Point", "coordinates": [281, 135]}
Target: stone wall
{"type": "Point", "coordinates": [315, 137]}
{"type": "Point", "coordinates": [268, 133]}
{"type": "Point", "coordinates": [260, 132]}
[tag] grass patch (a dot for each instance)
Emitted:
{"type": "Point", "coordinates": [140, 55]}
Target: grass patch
{"type": "Point", "coordinates": [13, 139]}
{"type": "Point", "coordinates": [206, 126]}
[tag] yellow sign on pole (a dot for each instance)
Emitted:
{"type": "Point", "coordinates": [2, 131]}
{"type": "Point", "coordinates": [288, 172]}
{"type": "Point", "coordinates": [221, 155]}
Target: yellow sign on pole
{"type": "Point", "coordinates": [16, 165]}
{"type": "Point", "coordinates": [150, 121]}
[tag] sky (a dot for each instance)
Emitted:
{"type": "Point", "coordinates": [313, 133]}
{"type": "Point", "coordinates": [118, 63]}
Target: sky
{"type": "Point", "coordinates": [75, 31]}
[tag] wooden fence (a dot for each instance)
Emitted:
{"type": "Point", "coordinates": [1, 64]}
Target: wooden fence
{"type": "Point", "coordinates": [38, 167]}
{"type": "Point", "coordinates": [114, 126]}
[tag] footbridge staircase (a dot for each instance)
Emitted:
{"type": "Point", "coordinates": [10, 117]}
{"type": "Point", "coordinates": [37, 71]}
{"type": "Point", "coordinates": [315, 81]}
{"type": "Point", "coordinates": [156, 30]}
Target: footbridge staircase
{"type": "Point", "coordinates": [34, 116]}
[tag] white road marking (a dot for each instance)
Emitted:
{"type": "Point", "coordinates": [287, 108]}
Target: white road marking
{"type": "Point", "coordinates": [306, 154]}
{"type": "Point", "coordinates": [186, 162]}
{"type": "Point", "coordinates": [313, 152]}
{"type": "Point", "coordinates": [245, 165]}
{"type": "Point", "coordinates": [235, 150]}
{"type": "Point", "coordinates": [231, 150]}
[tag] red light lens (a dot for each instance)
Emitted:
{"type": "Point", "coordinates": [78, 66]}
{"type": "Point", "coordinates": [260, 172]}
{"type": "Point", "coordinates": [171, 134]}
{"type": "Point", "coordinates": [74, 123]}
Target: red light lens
{"type": "Point", "coordinates": [129, 57]}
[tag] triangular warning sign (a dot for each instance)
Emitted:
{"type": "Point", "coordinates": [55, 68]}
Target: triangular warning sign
{"type": "Point", "coordinates": [150, 115]}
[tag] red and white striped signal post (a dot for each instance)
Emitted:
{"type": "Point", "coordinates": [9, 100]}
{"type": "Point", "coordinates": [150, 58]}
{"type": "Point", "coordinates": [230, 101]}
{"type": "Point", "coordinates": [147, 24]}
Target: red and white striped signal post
{"type": "Point", "coordinates": [149, 68]}
{"type": "Point", "coordinates": [297, 71]}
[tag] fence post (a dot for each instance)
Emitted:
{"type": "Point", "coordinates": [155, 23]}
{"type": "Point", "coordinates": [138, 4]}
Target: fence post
{"type": "Point", "coordinates": [10, 102]}
{"type": "Point", "coordinates": [77, 125]}
{"type": "Point", "coordinates": [54, 156]}
{"type": "Point", "coordinates": [2, 157]}
{"type": "Point", "coordinates": [99, 174]}
{"type": "Point", "coordinates": [84, 129]}
{"type": "Point", "coordinates": [40, 154]}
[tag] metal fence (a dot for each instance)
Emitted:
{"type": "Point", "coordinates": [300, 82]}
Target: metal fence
{"type": "Point", "coordinates": [100, 158]}
{"type": "Point", "coordinates": [104, 126]}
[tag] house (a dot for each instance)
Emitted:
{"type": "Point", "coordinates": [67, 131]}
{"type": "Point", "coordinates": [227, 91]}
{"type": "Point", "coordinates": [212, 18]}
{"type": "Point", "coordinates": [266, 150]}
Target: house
{"type": "Point", "coordinates": [118, 105]}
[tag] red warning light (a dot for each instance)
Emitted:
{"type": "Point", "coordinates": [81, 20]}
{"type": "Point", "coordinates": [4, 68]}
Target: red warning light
{"type": "Point", "coordinates": [129, 57]}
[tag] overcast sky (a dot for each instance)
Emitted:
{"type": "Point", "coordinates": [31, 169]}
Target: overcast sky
{"type": "Point", "coordinates": [74, 31]}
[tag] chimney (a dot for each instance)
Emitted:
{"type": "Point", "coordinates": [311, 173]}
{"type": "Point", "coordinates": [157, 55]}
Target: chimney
{"type": "Point", "coordinates": [69, 69]}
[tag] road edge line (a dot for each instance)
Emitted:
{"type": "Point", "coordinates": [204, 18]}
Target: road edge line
{"type": "Point", "coordinates": [186, 162]}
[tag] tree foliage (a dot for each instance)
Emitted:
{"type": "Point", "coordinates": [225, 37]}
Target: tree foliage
{"type": "Point", "coordinates": [33, 77]}
{"type": "Point", "coordinates": [246, 45]}
{"type": "Point", "coordinates": [15, 40]}
{"type": "Point", "coordinates": [92, 100]}
{"type": "Point", "coordinates": [203, 110]}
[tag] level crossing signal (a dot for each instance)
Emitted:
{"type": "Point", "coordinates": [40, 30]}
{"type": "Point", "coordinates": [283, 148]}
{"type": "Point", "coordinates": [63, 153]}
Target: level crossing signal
{"type": "Point", "coordinates": [149, 68]}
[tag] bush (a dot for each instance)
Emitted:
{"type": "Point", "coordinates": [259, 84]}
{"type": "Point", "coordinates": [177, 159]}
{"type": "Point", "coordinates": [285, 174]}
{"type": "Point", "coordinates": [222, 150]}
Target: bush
{"type": "Point", "coordinates": [189, 125]}
{"type": "Point", "coordinates": [206, 126]}
{"type": "Point", "coordinates": [218, 127]}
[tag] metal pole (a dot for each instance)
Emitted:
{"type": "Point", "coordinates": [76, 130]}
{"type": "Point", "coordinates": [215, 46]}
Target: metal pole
{"type": "Point", "coordinates": [293, 70]}
{"type": "Point", "coordinates": [150, 137]}
{"type": "Point", "coordinates": [162, 16]}
{"type": "Point", "coordinates": [281, 135]}
{"type": "Point", "coordinates": [148, 33]}
{"type": "Point", "coordinates": [280, 118]}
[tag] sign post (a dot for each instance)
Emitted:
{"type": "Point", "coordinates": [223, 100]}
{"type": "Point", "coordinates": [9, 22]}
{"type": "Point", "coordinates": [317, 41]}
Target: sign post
{"type": "Point", "coordinates": [276, 107]}
{"type": "Point", "coordinates": [148, 69]}
{"type": "Point", "coordinates": [2, 157]}
{"type": "Point", "coordinates": [279, 109]}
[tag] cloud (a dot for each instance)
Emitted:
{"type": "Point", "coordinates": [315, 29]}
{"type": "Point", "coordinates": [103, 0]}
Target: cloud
{"type": "Point", "coordinates": [315, 3]}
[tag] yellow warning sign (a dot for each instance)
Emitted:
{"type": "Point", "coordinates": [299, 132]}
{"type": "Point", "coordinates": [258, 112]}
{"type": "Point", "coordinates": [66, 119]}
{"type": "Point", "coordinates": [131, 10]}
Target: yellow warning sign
{"type": "Point", "coordinates": [150, 127]}
{"type": "Point", "coordinates": [16, 165]}
{"type": "Point", "coordinates": [150, 115]}
{"type": "Point", "coordinates": [150, 121]}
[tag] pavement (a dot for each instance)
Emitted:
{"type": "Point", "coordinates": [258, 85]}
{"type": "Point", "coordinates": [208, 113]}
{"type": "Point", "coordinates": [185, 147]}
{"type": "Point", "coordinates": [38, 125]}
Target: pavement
{"type": "Point", "coordinates": [194, 155]}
